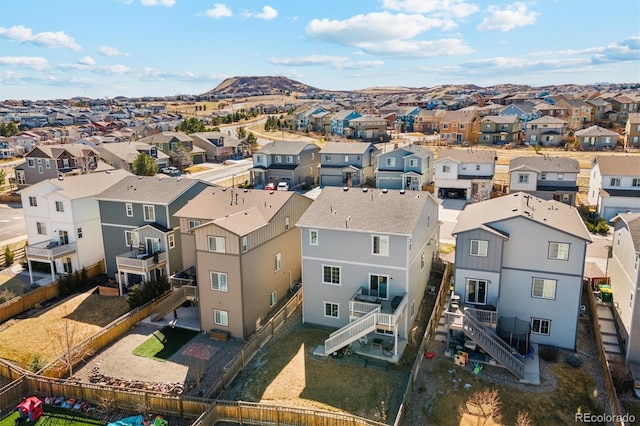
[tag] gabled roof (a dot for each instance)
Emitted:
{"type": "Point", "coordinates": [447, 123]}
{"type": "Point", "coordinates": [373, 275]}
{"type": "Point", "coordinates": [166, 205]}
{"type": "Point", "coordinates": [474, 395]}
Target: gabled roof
{"type": "Point", "coordinates": [632, 220]}
{"type": "Point", "coordinates": [551, 213]}
{"type": "Point", "coordinates": [467, 155]}
{"type": "Point", "coordinates": [416, 150]}
{"type": "Point", "coordinates": [128, 151]}
{"type": "Point", "coordinates": [542, 164]}
{"type": "Point", "coordinates": [501, 119]}
{"type": "Point", "coordinates": [391, 212]}
{"type": "Point", "coordinates": [547, 119]}
{"type": "Point", "coordinates": [526, 107]}
{"type": "Point", "coordinates": [346, 148]}
{"type": "Point", "coordinates": [165, 137]}
{"type": "Point", "coordinates": [596, 131]}
{"type": "Point", "coordinates": [343, 114]}
{"type": "Point", "coordinates": [286, 147]}
{"type": "Point", "coordinates": [618, 165]}
{"type": "Point", "coordinates": [54, 151]}
{"type": "Point", "coordinates": [148, 189]}
{"type": "Point", "coordinates": [461, 116]}
{"type": "Point", "coordinates": [81, 186]}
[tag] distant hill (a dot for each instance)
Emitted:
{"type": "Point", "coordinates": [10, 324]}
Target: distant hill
{"type": "Point", "coordinates": [264, 85]}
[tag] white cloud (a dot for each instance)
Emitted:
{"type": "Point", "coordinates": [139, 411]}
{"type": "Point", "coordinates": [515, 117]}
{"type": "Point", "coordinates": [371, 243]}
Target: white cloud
{"type": "Point", "coordinates": [167, 3]}
{"type": "Point", "coordinates": [268, 13]}
{"type": "Point", "coordinates": [218, 11]}
{"type": "Point", "coordinates": [87, 60]}
{"type": "Point", "coordinates": [627, 50]}
{"type": "Point", "coordinates": [112, 69]}
{"type": "Point", "coordinates": [512, 16]}
{"type": "Point", "coordinates": [34, 62]}
{"type": "Point", "coordinates": [110, 51]}
{"type": "Point", "coordinates": [336, 62]}
{"type": "Point", "coordinates": [22, 34]}
{"type": "Point", "coordinates": [418, 49]}
{"type": "Point", "coordinates": [447, 8]}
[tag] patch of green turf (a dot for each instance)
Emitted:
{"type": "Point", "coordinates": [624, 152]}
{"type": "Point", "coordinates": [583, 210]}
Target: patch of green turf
{"type": "Point", "coordinates": [164, 343]}
{"type": "Point", "coordinates": [55, 416]}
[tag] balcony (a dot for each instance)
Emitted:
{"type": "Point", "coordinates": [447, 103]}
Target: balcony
{"type": "Point", "coordinates": [487, 315]}
{"type": "Point", "coordinates": [49, 250]}
{"type": "Point", "coordinates": [185, 280]}
{"type": "Point", "coordinates": [389, 311]}
{"type": "Point", "coordinates": [141, 263]}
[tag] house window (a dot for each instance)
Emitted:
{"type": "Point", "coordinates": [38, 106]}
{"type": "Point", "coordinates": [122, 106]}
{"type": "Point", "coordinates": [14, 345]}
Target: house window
{"type": "Point", "coordinates": [379, 286]}
{"type": "Point", "coordinates": [31, 162]}
{"type": "Point", "coordinates": [171, 240]}
{"type": "Point", "coordinates": [313, 237]}
{"type": "Point", "coordinates": [476, 291]}
{"type": "Point", "coordinates": [331, 310]}
{"type": "Point", "coordinates": [217, 244]}
{"type": "Point", "coordinates": [129, 209]}
{"type": "Point", "coordinates": [543, 176]}
{"type": "Point", "coordinates": [245, 244]}
{"type": "Point", "coordinates": [149, 213]}
{"type": "Point", "coordinates": [218, 281]}
{"type": "Point", "coordinates": [327, 158]}
{"type": "Point", "coordinates": [42, 228]}
{"type": "Point", "coordinates": [286, 223]}
{"type": "Point", "coordinates": [479, 248]}
{"type": "Point", "coordinates": [446, 168]}
{"type": "Point", "coordinates": [445, 126]}
{"type": "Point", "coordinates": [542, 288]}
{"type": "Point", "coordinates": [559, 251]}
{"type": "Point", "coordinates": [59, 207]}
{"type": "Point", "coordinates": [79, 233]}
{"type": "Point", "coordinates": [193, 223]}
{"type": "Point", "coordinates": [47, 163]}
{"type": "Point", "coordinates": [477, 167]}
{"type": "Point", "coordinates": [560, 176]}
{"type": "Point", "coordinates": [278, 159]}
{"type": "Point", "coordinates": [412, 309]}
{"type": "Point", "coordinates": [273, 298]}
{"type": "Point", "coordinates": [289, 159]}
{"type": "Point", "coordinates": [462, 126]}
{"type": "Point", "coordinates": [20, 178]}
{"type": "Point", "coordinates": [220, 317]}
{"type": "Point", "coordinates": [565, 197]}
{"type": "Point", "coordinates": [635, 182]}
{"type": "Point", "coordinates": [422, 261]}
{"type": "Point", "coordinates": [130, 239]}
{"type": "Point", "coordinates": [331, 275]}
{"type": "Point", "coordinates": [277, 262]}
{"type": "Point", "coordinates": [523, 178]}
{"type": "Point", "coordinates": [391, 162]}
{"type": "Point", "coordinates": [40, 170]}
{"type": "Point", "coordinates": [540, 326]}
{"type": "Point", "coordinates": [380, 245]}
{"type": "Point", "coordinates": [346, 158]}
{"type": "Point", "coordinates": [33, 202]}
{"type": "Point", "coordinates": [413, 162]}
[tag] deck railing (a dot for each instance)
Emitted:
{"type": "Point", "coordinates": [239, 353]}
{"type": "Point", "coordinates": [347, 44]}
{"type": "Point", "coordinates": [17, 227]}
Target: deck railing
{"type": "Point", "coordinates": [351, 332]}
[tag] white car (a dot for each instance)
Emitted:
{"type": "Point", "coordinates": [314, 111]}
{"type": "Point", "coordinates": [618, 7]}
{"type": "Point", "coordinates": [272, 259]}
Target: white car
{"type": "Point", "coordinates": [283, 186]}
{"type": "Point", "coordinates": [171, 171]}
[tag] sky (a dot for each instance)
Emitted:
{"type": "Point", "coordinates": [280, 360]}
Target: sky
{"type": "Point", "coordinates": [106, 48]}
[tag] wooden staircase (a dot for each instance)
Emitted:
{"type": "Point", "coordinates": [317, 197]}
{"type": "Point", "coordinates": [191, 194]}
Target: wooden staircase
{"type": "Point", "coordinates": [351, 332]}
{"type": "Point", "coordinates": [177, 297]}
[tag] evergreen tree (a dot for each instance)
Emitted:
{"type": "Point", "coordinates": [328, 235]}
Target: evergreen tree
{"type": "Point", "coordinates": [144, 165]}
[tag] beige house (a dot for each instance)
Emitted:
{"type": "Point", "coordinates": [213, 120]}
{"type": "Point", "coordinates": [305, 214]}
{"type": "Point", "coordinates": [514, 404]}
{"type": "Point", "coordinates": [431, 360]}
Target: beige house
{"type": "Point", "coordinates": [242, 253]}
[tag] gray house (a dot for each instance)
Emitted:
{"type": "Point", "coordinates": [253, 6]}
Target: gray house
{"type": "Point", "coordinates": [366, 260]}
{"type": "Point", "coordinates": [139, 229]}
{"type": "Point", "coordinates": [549, 178]}
{"type": "Point", "coordinates": [405, 168]}
{"type": "Point", "coordinates": [545, 131]}
{"type": "Point", "coordinates": [121, 155]}
{"type": "Point", "coordinates": [499, 130]}
{"type": "Point", "coordinates": [596, 138]}
{"type": "Point", "coordinates": [347, 163]}
{"type": "Point", "coordinates": [519, 266]}
{"type": "Point", "coordinates": [293, 162]}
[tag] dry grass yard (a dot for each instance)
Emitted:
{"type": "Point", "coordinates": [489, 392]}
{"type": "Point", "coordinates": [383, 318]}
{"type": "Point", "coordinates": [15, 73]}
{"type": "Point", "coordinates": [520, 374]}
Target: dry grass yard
{"type": "Point", "coordinates": [81, 316]}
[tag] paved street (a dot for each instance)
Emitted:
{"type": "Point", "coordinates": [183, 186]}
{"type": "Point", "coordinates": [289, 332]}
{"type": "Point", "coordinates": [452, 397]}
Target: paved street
{"type": "Point", "coordinates": [11, 221]}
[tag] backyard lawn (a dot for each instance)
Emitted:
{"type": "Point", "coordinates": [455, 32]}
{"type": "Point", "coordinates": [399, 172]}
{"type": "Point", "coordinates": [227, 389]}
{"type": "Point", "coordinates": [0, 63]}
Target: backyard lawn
{"type": "Point", "coordinates": [164, 343]}
{"type": "Point", "coordinates": [55, 417]}
{"type": "Point", "coordinates": [81, 315]}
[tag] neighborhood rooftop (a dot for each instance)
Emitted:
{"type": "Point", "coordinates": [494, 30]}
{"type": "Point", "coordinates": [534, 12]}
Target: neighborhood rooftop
{"type": "Point", "coordinates": [87, 185]}
{"type": "Point", "coordinates": [545, 164]}
{"type": "Point", "coordinates": [389, 211]}
{"type": "Point", "coordinates": [618, 165]}
{"type": "Point", "coordinates": [147, 189]}
{"type": "Point", "coordinates": [469, 155]}
{"type": "Point", "coordinates": [633, 222]}
{"type": "Point", "coordinates": [284, 147]}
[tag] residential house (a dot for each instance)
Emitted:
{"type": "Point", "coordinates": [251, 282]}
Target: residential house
{"type": "Point", "coordinates": [579, 112]}
{"type": "Point", "coordinates": [460, 126]}
{"type": "Point", "coordinates": [405, 168]}
{"type": "Point", "coordinates": [546, 131]}
{"type": "Point", "coordinates": [546, 177]}
{"type": "Point", "coordinates": [428, 121]}
{"type": "Point", "coordinates": [406, 118]}
{"type": "Point", "coordinates": [632, 131]}
{"type": "Point", "coordinates": [366, 260]}
{"type": "Point", "coordinates": [601, 111]}
{"type": "Point", "coordinates": [244, 255]}
{"type": "Point", "coordinates": [623, 105]}
{"type": "Point", "coordinates": [499, 130]}
{"type": "Point", "coordinates": [554, 110]}
{"type": "Point", "coordinates": [63, 221]}
{"type": "Point", "coordinates": [347, 163]}
{"type": "Point", "coordinates": [304, 117]}
{"type": "Point", "coordinates": [596, 138]}
{"type": "Point", "coordinates": [622, 268]}
{"type": "Point", "coordinates": [60, 119]}
{"type": "Point", "coordinates": [168, 141]}
{"type": "Point", "coordinates": [519, 265]}
{"type": "Point", "coordinates": [320, 121]}
{"type": "Point", "coordinates": [525, 111]}
{"type": "Point", "coordinates": [219, 146]}
{"type": "Point", "coordinates": [465, 173]}
{"type": "Point", "coordinates": [50, 161]}
{"type": "Point", "coordinates": [121, 155]}
{"type": "Point", "coordinates": [294, 162]}
{"type": "Point", "coordinates": [367, 128]}
{"type": "Point", "coordinates": [139, 227]}
{"type": "Point", "coordinates": [340, 121]}
{"type": "Point", "coordinates": [614, 185]}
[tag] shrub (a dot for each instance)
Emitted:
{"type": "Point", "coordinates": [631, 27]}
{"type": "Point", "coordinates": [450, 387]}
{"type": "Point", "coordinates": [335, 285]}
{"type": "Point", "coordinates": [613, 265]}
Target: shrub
{"type": "Point", "coordinates": [148, 291]}
{"type": "Point", "coordinates": [36, 364]}
{"type": "Point", "coordinates": [8, 256]}
{"type": "Point", "coordinates": [549, 353]}
{"type": "Point", "coordinates": [573, 360]}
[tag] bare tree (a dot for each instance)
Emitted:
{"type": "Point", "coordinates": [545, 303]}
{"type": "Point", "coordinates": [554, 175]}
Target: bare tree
{"type": "Point", "coordinates": [197, 370]}
{"type": "Point", "coordinates": [523, 419]}
{"type": "Point", "coordinates": [63, 341]}
{"type": "Point", "coordinates": [483, 408]}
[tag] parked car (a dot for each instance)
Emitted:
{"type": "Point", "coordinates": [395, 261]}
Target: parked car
{"type": "Point", "coordinates": [283, 186]}
{"type": "Point", "coordinates": [171, 171]}
{"type": "Point", "coordinates": [270, 186]}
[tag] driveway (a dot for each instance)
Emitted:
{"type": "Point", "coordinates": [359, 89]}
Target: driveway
{"type": "Point", "coordinates": [448, 213]}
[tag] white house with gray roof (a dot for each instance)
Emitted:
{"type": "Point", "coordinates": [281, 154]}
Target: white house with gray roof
{"type": "Point", "coordinates": [366, 261]}
{"type": "Point", "coordinates": [294, 162]}
{"type": "Point", "coordinates": [546, 177]}
{"type": "Point", "coordinates": [63, 221]}
{"type": "Point", "coordinates": [614, 185]}
{"type": "Point", "coordinates": [545, 131]}
{"type": "Point", "coordinates": [519, 265]}
{"type": "Point", "coordinates": [465, 173]}
{"type": "Point", "coordinates": [347, 163]}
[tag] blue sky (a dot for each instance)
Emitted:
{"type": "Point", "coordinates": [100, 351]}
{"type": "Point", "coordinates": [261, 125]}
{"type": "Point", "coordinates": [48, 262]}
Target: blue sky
{"type": "Point", "coordinates": [107, 48]}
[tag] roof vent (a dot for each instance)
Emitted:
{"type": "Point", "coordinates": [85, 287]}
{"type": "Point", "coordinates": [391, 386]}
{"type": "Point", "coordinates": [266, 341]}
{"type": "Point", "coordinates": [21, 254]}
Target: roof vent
{"type": "Point", "coordinates": [365, 189]}
{"type": "Point", "coordinates": [224, 188]}
{"type": "Point", "coordinates": [139, 177]}
{"type": "Point", "coordinates": [345, 189]}
{"type": "Point", "coordinates": [160, 178]}
{"type": "Point", "coordinates": [108, 172]}
{"type": "Point", "coordinates": [60, 178]}
{"type": "Point", "coordinates": [246, 190]}
{"type": "Point", "coordinates": [384, 191]}
{"type": "Point", "coordinates": [402, 191]}
{"type": "Point", "coordinates": [271, 192]}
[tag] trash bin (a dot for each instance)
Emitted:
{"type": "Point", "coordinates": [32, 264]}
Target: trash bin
{"type": "Point", "coordinates": [605, 292]}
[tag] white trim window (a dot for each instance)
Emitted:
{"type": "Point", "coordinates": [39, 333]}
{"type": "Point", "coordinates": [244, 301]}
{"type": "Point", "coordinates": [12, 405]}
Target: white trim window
{"type": "Point", "coordinates": [33, 201]}
{"type": "Point", "coordinates": [41, 228]}
{"type": "Point", "coordinates": [149, 213]}
{"type": "Point", "coordinates": [47, 163]}
{"type": "Point", "coordinates": [59, 206]}
{"type": "Point", "coordinates": [129, 209]}
{"type": "Point", "coordinates": [331, 274]}
{"type": "Point", "coordinates": [171, 240]}
{"type": "Point", "coordinates": [331, 310]}
{"type": "Point", "coordinates": [390, 162]}
{"type": "Point", "coordinates": [558, 251]}
{"type": "Point", "coordinates": [446, 168]}
{"type": "Point", "coordinates": [221, 317]}
{"type": "Point", "coordinates": [31, 162]}
{"type": "Point", "coordinates": [277, 159]}
{"type": "Point", "coordinates": [277, 262]}
{"type": "Point", "coordinates": [479, 248]}
{"type": "Point", "coordinates": [289, 159]}
{"type": "Point", "coordinates": [379, 286]}
{"type": "Point", "coordinates": [313, 237]}
{"type": "Point", "coordinates": [413, 162]}
{"type": "Point", "coordinates": [245, 244]}
{"type": "Point", "coordinates": [79, 233]}
{"type": "Point", "coordinates": [543, 288]}
{"type": "Point", "coordinates": [380, 245]}
{"type": "Point", "coordinates": [218, 281]}
{"type": "Point", "coordinates": [193, 223]}
{"type": "Point", "coordinates": [131, 239]}
{"type": "Point", "coordinates": [216, 244]}
{"type": "Point", "coordinates": [477, 291]}
{"type": "Point", "coordinates": [615, 181]}
{"type": "Point", "coordinates": [286, 223]}
{"type": "Point", "coordinates": [540, 326]}
{"type": "Point", "coordinates": [273, 298]}
{"type": "Point", "coordinates": [523, 178]}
